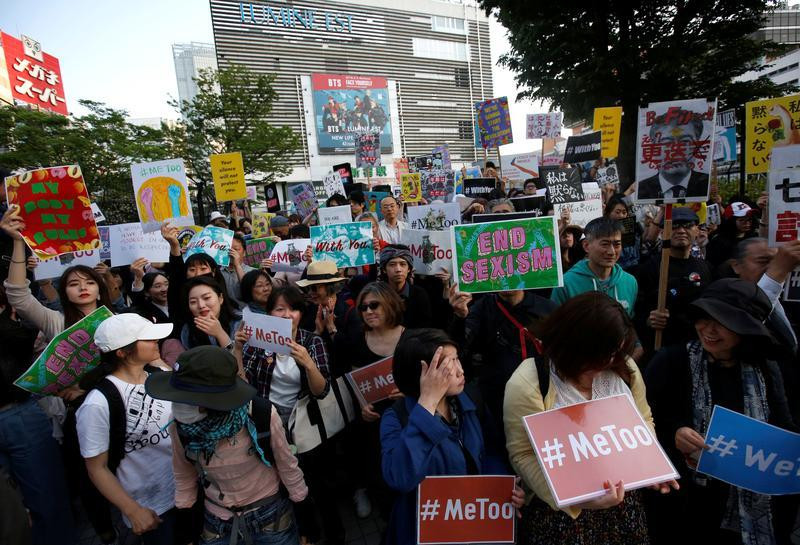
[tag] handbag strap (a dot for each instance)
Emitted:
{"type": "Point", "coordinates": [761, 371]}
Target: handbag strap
{"type": "Point", "coordinates": [523, 332]}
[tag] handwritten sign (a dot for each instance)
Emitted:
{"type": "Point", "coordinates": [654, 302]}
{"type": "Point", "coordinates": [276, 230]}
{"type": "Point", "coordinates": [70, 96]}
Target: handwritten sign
{"type": "Point", "coordinates": [546, 125]}
{"type": "Point", "coordinates": [609, 122]}
{"type": "Point", "coordinates": [270, 333]}
{"type": "Point", "coordinates": [582, 212]}
{"type": "Point", "coordinates": [304, 198]}
{"type": "Point", "coordinates": [290, 255]}
{"type": "Point", "coordinates": [333, 184]}
{"type": "Point", "coordinates": [410, 187]}
{"type": "Point", "coordinates": [54, 204]}
{"type": "Point", "coordinates": [346, 244]}
{"type": "Point", "coordinates": [227, 171]}
{"type": "Point", "coordinates": [55, 266]}
{"type": "Point", "coordinates": [563, 184]}
{"type": "Point", "coordinates": [213, 241]}
{"type": "Point", "coordinates": [373, 382]}
{"type": "Point", "coordinates": [129, 243]}
{"type": "Point", "coordinates": [335, 214]}
{"type": "Point", "coordinates": [256, 250]}
{"type": "Point", "coordinates": [434, 217]}
{"type": "Point", "coordinates": [770, 123]}
{"type": "Point", "coordinates": [494, 122]}
{"type": "Point", "coordinates": [161, 194]}
{"type": "Point", "coordinates": [430, 250]}
{"type": "Point", "coordinates": [67, 357]}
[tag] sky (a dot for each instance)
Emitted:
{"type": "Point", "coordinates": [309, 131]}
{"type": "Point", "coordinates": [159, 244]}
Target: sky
{"type": "Point", "coordinates": [120, 52]}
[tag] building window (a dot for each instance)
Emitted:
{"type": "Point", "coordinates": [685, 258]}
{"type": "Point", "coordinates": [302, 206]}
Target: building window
{"type": "Point", "coordinates": [439, 49]}
{"type": "Point", "coordinates": [461, 77]}
{"type": "Point", "coordinates": [448, 24]}
{"type": "Point", "coordinates": [465, 130]}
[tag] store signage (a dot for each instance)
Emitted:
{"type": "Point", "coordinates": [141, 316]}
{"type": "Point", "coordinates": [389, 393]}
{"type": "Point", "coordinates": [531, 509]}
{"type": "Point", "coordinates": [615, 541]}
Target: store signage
{"type": "Point", "coordinates": [298, 18]}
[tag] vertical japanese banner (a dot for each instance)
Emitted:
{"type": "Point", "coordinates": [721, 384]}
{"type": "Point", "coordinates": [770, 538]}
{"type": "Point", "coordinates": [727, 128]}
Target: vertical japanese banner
{"type": "Point", "coordinates": [608, 121]}
{"type": "Point", "coordinates": [494, 122]}
{"type": "Point", "coordinates": [54, 204]}
{"type": "Point", "coordinates": [770, 123]}
{"type": "Point", "coordinates": [67, 357]}
{"type": "Point", "coordinates": [673, 151]}
{"type": "Point", "coordinates": [227, 170]}
{"type": "Point", "coordinates": [783, 185]}
{"type": "Point", "coordinates": [161, 194]}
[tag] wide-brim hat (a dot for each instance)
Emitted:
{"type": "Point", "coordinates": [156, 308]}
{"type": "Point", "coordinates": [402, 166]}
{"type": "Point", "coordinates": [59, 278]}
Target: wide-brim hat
{"type": "Point", "coordinates": [205, 376]}
{"type": "Point", "coordinates": [738, 305]}
{"type": "Point", "coordinates": [320, 272]}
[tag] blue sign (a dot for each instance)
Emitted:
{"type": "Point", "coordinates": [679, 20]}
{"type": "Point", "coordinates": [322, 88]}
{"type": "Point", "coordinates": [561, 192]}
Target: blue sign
{"type": "Point", "coordinates": [494, 122]}
{"type": "Point", "coordinates": [725, 144]}
{"type": "Point", "coordinates": [751, 454]}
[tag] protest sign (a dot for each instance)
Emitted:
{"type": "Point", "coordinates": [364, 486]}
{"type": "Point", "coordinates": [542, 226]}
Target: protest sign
{"type": "Point", "coordinates": [519, 167]}
{"type": "Point", "coordinates": [725, 139]}
{"type": "Point", "coordinates": [552, 160]}
{"type": "Point", "coordinates": [563, 184]}
{"type": "Point", "coordinates": [368, 150]}
{"type": "Point", "coordinates": [465, 509]}
{"type": "Point", "coordinates": [67, 357]}
{"type": "Point", "coordinates": [430, 250]}
{"type": "Point", "coordinates": [434, 217]}
{"type": "Point", "coordinates": [751, 454]}
{"type": "Point", "coordinates": [507, 255]}
{"type": "Point", "coordinates": [54, 204]}
{"type": "Point", "coordinates": [373, 202]}
{"type": "Point", "coordinates": [346, 244]}
{"type": "Point", "coordinates": [410, 187]}
{"type": "Point", "coordinates": [494, 122]}
{"type": "Point", "coordinates": [607, 175]}
{"type": "Point", "coordinates": [784, 204]}
{"type": "Point", "coordinates": [256, 250]}
{"type": "Point", "coordinates": [479, 187]}
{"type": "Point", "coordinates": [791, 291]}
{"type": "Point", "coordinates": [544, 125]}
{"type": "Point", "coordinates": [290, 255]}
{"type": "Point", "coordinates": [333, 184]}
{"type": "Point", "coordinates": [335, 214]}
{"type": "Point", "coordinates": [270, 333]}
{"type": "Point", "coordinates": [273, 201]}
{"type": "Point", "coordinates": [608, 121]}
{"type": "Point", "coordinates": [673, 151]}
{"type": "Point", "coordinates": [185, 234]}
{"type": "Point", "coordinates": [586, 147]}
{"type": "Point", "coordinates": [98, 215]}
{"type": "Point", "coordinates": [304, 198]}
{"type": "Point", "coordinates": [54, 267]}
{"type": "Point", "coordinates": [261, 224]}
{"type": "Point", "coordinates": [214, 242]}
{"type": "Point", "coordinates": [443, 152]}
{"type": "Point", "coordinates": [129, 243]}
{"type": "Point", "coordinates": [105, 242]}
{"type": "Point", "coordinates": [438, 185]}
{"type": "Point", "coordinates": [770, 123]}
{"type": "Point", "coordinates": [713, 215]}
{"type": "Point", "coordinates": [400, 165]}
{"type": "Point", "coordinates": [345, 170]}
{"type": "Point", "coordinates": [227, 171]}
{"type": "Point", "coordinates": [628, 230]}
{"type": "Point", "coordinates": [252, 194]}
{"type": "Point", "coordinates": [504, 216]}
{"type": "Point", "coordinates": [161, 194]}
{"type": "Point", "coordinates": [530, 203]}
{"type": "Point", "coordinates": [582, 212]}
{"type": "Point", "coordinates": [373, 382]}
{"type": "Point", "coordinates": [465, 172]}
{"type": "Point", "coordinates": [581, 446]}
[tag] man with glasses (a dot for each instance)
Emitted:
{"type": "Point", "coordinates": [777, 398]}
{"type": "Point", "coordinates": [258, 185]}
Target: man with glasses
{"type": "Point", "coordinates": [391, 227]}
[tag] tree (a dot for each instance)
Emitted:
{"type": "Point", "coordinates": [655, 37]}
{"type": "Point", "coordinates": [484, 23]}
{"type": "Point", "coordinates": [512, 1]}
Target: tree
{"type": "Point", "coordinates": [230, 113]}
{"type": "Point", "coordinates": [580, 56]}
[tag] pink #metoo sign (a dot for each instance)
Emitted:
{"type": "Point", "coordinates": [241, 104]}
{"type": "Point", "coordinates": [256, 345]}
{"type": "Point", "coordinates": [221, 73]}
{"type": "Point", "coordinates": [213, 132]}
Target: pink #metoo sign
{"type": "Point", "coordinates": [581, 446]}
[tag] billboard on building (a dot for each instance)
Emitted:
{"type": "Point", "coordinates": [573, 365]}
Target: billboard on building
{"type": "Point", "coordinates": [34, 77]}
{"type": "Point", "coordinates": [346, 105]}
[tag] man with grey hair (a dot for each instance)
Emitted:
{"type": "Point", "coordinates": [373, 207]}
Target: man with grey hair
{"type": "Point", "coordinates": [391, 227]}
{"type": "Point", "coordinates": [501, 206]}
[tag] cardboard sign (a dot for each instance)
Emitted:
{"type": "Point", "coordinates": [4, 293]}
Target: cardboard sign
{"type": "Point", "coordinates": [430, 250]}
{"type": "Point", "coordinates": [479, 187]}
{"type": "Point", "coordinates": [270, 333]}
{"type": "Point", "coordinates": [507, 255]}
{"type": "Point", "coordinates": [67, 357]}
{"type": "Point", "coordinates": [368, 150]}
{"type": "Point", "coordinates": [161, 194]}
{"type": "Point", "coordinates": [609, 122]}
{"type": "Point", "coordinates": [256, 250]}
{"type": "Point", "coordinates": [55, 266]}
{"type": "Point", "coordinates": [563, 184]}
{"type": "Point", "coordinates": [607, 175]}
{"type": "Point", "coordinates": [98, 215]}
{"type": "Point", "coordinates": [520, 167]}
{"type": "Point", "coordinates": [494, 122]}
{"type": "Point", "coordinates": [434, 217]}
{"type": "Point", "coordinates": [290, 255]}
{"type": "Point", "coordinates": [333, 184]}
{"type": "Point", "coordinates": [214, 242]}
{"type": "Point", "coordinates": [373, 382]}
{"type": "Point", "coordinates": [581, 446]}
{"type": "Point", "coordinates": [273, 201]}
{"type": "Point", "coordinates": [346, 244]}
{"type": "Point", "coordinates": [410, 187]}
{"type": "Point", "coordinates": [465, 509]}
{"type": "Point", "coordinates": [770, 123]}
{"type": "Point", "coordinates": [129, 243]}
{"type": "Point", "coordinates": [54, 204]}
{"type": "Point", "coordinates": [751, 454]}
{"type": "Point", "coordinates": [585, 147]}
{"type": "Point", "coordinates": [582, 212]}
{"type": "Point", "coordinates": [674, 144]}
{"type": "Point", "coordinates": [227, 171]}
{"type": "Point", "coordinates": [438, 185]}
{"type": "Point", "coordinates": [546, 125]}
{"type": "Point", "coordinates": [335, 214]}
{"type": "Point", "coordinates": [304, 198]}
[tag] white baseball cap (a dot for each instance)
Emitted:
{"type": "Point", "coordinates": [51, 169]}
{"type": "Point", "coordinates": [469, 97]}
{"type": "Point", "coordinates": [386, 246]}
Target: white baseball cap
{"type": "Point", "coordinates": [216, 216]}
{"type": "Point", "coordinates": [124, 329]}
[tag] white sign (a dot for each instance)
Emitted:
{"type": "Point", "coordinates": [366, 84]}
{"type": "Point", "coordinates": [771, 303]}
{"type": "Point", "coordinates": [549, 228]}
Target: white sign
{"type": "Point", "coordinates": [544, 125]}
{"type": "Point", "coordinates": [434, 217]}
{"type": "Point", "coordinates": [582, 212]}
{"type": "Point", "coordinates": [335, 214]}
{"type": "Point", "coordinates": [520, 167]}
{"type": "Point", "coordinates": [431, 250]}
{"type": "Point", "coordinates": [55, 266]}
{"type": "Point", "coordinates": [607, 175]}
{"type": "Point", "coordinates": [783, 185]}
{"type": "Point", "coordinates": [713, 216]}
{"type": "Point", "coordinates": [98, 215]}
{"type": "Point", "coordinates": [270, 333]}
{"type": "Point", "coordinates": [333, 185]}
{"type": "Point", "coordinates": [290, 255]}
{"type": "Point", "coordinates": [161, 194]}
{"type": "Point", "coordinates": [129, 243]}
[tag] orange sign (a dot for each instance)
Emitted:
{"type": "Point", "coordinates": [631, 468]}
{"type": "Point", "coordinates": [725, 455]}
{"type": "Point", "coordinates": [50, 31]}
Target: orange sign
{"type": "Point", "coordinates": [474, 509]}
{"type": "Point", "coordinates": [581, 446]}
{"type": "Point", "coordinates": [374, 382]}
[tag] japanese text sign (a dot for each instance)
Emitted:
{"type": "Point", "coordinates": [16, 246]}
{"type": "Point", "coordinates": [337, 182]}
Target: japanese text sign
{"type": "Point", "coordinates": [581, 446]}
{"type": "Point", "coordinates": [585, 147]}
{"type": "Point", "coordinates": [507, 255]}
{"type": "Point", "coordinates": [400, 165]}
{"type": "Point", "coordinates": [582, 212]}
{"type": "Point", "coordinates": [270, 333]}
{"type": "Point", "coordinates": [751, 454]}
{"type": "Point", "coordinates": [373, 382]}
{"type": "Point", "coordinates": [346, 244]}
{"type": "Point", "coordinates": [438, 185]}
{"type": "Point", "coordinates": [410, 187]}
{"type": "Point", "coordinates": [161, 194]}
{"type": "Point", "coordinates": [128, 243]}
{"type": "Point", "coordinates": [608, 121]}
{"type": "Point", "coordinates": [256, 250]}
{"type": "Point", "coordinates": [67, 357]}
{"type": "Point", "coordinates": [607, 175]}
{"type": "Point", "coordinates": [791, 291]}
{"type": "Point", "coordinates": [430, 250]}
{"type": "Point", "coordinates": [465, 509]}
{"type": "Point", "coordinates": [784, 205]}
{"type": "Point", "coordinates": [54, 204]}
{"type": "Point", "coordinates": [214, 242]}
{"type": "Point", "coordinates": [434, 217]}
{"type": "Point", "coordinates": [368, 150]}
{"type": "Point", "coordinates": [335, 214]}
{"type": "Point", "coordinates": [494, 122]}
{"type": "Point", "coordinates": [770, 123]}
{"type": "Point", "coordinates": [333, 184]}
{"type": "Point", "coordinates": [563, 184]}
{"type": "Point", "coordinates": [227, 171]}
{"type": "Point", "coordinates": [546, 125]}
{"type": "Point", "coordinates": [35, 78]}
{"type": "Point", "coordinates": [290, 255]}
{"type": "Point", "coordinates": [304, 198]}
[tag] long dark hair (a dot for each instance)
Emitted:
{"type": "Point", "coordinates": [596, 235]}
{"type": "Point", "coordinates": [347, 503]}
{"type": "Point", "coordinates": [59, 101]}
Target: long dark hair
{"type": "Point", "coordinates": [226, 315]}
{"type": "Point", "coordinates": [72, 313]}
{"type": "Point", "coordinates": [216, 274]}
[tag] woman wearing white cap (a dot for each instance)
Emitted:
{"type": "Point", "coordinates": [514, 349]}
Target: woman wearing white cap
{"type": "Point", "coordinates": [122, 430]}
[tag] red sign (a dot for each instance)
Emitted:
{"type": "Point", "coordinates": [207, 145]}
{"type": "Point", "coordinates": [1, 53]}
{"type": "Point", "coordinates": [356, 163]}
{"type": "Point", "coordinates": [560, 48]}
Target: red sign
{"type": "Point", "coordinates": [346, 81]}
{"type": "Point", "coordinates": [581, 446]}
{"type": "Point", "coordinates": [35, 76]}
{"type": "Point", "coordinates": [54, 204]}
{"type": "Point", "coordinates": [374, 382]}
{"type": "Point", "coordinates": [474, 509]}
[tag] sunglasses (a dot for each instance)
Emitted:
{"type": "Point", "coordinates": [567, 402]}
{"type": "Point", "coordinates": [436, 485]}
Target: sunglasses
{"type": "Point", "coordinates": [372, 306]}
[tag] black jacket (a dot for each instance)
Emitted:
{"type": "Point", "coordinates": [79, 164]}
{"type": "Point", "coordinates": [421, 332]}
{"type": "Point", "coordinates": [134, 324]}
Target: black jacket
{"type": "Point", "coordinates": [650, 188]}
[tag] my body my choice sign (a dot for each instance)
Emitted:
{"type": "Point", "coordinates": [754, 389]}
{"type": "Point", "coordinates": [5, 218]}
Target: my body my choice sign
{"type": "Point", "coordinates": [507, 255]}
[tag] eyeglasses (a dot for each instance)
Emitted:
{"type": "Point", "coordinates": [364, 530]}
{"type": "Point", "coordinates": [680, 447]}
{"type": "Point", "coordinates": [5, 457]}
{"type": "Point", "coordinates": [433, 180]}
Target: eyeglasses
{"type": "Point", "coordinates": [683, 224]}
{"type": "Point", "coordinates": [372, 306]}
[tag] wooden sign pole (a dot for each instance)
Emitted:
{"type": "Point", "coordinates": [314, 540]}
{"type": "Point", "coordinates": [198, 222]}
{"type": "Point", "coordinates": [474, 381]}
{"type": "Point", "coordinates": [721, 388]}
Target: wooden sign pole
{"type": "Point", "coordinates": [663, 276]}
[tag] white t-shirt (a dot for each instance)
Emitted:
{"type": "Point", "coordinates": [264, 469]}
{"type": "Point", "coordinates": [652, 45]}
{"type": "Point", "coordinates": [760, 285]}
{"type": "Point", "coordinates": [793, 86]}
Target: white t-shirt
{"type": "Point", "coordinates": [285, 384]}
{"type": "Point", "coordinates": [146, 470]}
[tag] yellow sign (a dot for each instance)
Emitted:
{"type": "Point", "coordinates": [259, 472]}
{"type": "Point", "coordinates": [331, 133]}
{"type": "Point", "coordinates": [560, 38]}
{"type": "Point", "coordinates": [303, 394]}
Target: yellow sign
{"type": "Point", "coordinates": [699, 208]}
{"type": "Point", "coordinates": [608, 120]}
{"type": "Point", "coordinates": [410, 187]}
{"type": "Point", "coordinates": [227, 170]}
{"type": "Point", "coordinates": [261, 224]}
{"type": "Point", "coordinates": [770, 124]}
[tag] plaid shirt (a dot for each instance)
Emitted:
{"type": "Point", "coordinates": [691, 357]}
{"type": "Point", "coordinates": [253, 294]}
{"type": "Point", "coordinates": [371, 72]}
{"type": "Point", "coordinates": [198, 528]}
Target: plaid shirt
{"type": "Point", "coordinates": [259, 364]}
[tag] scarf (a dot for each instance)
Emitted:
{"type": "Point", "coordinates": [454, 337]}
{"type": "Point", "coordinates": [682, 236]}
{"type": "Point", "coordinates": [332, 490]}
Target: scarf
{"type": "Point", "coordinates": [746, 512]}
{"type": "Point", "coordinates": [203, 436]}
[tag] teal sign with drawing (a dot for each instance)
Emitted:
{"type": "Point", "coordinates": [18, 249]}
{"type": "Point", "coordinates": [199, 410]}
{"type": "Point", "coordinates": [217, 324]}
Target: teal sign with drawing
{"type": "Point", "coordinates": [346, 244]}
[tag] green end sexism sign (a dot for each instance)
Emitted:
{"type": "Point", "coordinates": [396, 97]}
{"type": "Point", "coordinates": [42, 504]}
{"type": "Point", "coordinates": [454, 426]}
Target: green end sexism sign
{"type": "Point", "coordinates": [507, 255]}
